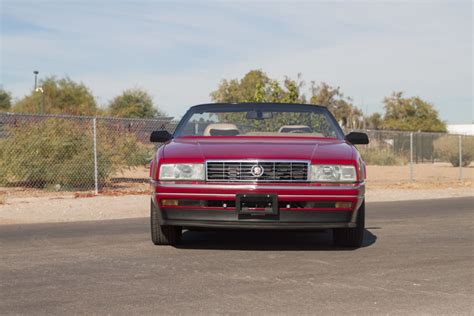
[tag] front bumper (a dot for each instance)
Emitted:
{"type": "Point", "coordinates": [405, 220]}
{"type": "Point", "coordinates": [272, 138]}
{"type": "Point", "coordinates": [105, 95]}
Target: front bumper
{"type": "Point", "coordinates": [285, 218]}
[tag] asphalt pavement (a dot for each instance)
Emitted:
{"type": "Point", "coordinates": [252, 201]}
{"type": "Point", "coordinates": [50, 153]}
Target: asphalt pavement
{"type": "Point", "coordinates": [417, 258]}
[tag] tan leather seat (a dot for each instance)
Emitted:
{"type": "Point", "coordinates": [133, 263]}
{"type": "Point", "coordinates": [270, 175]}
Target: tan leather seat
{"type": "Point", "coordinates": [295, 128]}
{"type": "Point", "coordinates": [221, 129]}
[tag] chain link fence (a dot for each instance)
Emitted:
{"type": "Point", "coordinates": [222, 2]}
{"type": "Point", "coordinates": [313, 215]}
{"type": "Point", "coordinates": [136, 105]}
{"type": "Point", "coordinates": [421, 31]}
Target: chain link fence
{"type": "Point", "coordinates": [74, 153]}
{"type": "Point", "coordinates": [395, 156]}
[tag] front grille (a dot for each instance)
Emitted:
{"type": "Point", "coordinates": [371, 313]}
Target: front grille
{"type": "Point", "coordinates": [273, 171]}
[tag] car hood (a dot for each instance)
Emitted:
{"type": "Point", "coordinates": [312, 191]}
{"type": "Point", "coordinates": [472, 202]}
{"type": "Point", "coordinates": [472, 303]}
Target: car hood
{"type": "Point", "coordinates": [239, 148]}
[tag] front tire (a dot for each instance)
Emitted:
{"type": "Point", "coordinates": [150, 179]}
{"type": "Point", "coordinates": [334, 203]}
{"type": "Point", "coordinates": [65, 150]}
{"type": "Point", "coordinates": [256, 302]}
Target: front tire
{"type": "Point", "coordinates": [351, 237]}
{"type": "Point", "coordinates": [163, 235]}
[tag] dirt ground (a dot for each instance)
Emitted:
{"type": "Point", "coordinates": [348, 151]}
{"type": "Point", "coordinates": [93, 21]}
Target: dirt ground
{"type": "Point", "coordinates": [428, 174]}
{"type": "Point", "coordinates": [130, 198]}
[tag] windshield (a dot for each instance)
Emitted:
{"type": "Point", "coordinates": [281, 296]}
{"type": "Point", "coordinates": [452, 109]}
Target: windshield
{"type": "Point", "coordinates": [259, 120]}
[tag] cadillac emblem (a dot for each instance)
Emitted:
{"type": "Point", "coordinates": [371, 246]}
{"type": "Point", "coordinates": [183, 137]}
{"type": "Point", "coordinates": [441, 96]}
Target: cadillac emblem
{"type": "Point", "coordinates": [257, 171]}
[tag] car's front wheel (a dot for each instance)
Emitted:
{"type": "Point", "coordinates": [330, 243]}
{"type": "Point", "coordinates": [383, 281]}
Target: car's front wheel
{"type": "Point", "coordinates": [351, 237]}
{"type": "Point", "coordinates": [163, 234]}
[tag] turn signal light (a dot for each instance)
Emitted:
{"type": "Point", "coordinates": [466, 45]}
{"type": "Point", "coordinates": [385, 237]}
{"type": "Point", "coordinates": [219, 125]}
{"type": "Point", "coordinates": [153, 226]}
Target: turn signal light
{"type": "Point", "coordinates": [343, 204]}
{"type": "Point", "coordinates": [169, 202]}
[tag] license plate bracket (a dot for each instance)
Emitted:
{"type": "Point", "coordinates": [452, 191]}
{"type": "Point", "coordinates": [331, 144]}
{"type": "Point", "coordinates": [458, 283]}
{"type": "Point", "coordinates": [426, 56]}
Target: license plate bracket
{"type": "Point", "coordinates": [257, 204]}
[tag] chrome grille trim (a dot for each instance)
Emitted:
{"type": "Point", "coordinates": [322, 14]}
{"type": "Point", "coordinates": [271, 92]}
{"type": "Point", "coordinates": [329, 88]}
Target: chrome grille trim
{"type": "Point", "coordinates": [274, 170]}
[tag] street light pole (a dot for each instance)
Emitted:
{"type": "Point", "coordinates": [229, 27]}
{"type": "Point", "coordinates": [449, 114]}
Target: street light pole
{"type": "Point", "coordinates": [36, 72]}
{"type": "Point", "coordinates": [40, 89]}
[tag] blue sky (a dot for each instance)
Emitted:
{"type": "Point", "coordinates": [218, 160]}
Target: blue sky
{"type": "Point", "coordinates": [179, 51]}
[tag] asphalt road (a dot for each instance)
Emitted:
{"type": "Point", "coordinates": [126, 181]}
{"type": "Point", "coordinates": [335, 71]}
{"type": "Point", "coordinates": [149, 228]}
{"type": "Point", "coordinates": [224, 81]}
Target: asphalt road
{"type": "Point", "coordinates": [418, 258]}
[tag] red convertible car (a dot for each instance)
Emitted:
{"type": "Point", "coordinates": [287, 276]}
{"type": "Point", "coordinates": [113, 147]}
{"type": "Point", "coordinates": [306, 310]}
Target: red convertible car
{"type": "Point", "coordinates": [258, 166]}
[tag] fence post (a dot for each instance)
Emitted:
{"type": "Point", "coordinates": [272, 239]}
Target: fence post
{"type": "Point", "coordinates": [422, 148]}
{"type": "Point", "coordinates": [96, 173]}
{"type": "Point", "coordinates": [460, 159]}
{"type": "Point", "coordinates": [432, 148]}
{"type": "Point", "coordinates": [411, 156]}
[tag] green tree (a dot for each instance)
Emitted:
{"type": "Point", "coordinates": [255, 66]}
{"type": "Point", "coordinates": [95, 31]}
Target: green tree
{"type": "Point", "coordinates": [292, 92]}
{"type": "Point", "coordinates": [274, 92]}
{"type": "Point", "coordinates": [256, 86]}
{"type": "Point", "coordinates": [411, 114]}
{"type": "Point", "coordinates": [5, 100]}
{"type": "Point", "coordinates": [340, 106]}
{"type": "Point", "coordinates": [251, 88]}
{"type": "Point", "coordinates": [374, 121]}
{"type": "Point", "coordinates": [134, 103]}
{"type": "Point", "coordinates": [58, 96]}
{"type": "Point", "coordinates": [251, 83]}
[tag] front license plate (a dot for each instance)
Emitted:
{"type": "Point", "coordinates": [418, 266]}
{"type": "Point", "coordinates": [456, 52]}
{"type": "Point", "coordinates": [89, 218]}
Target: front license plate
{"type": "Point", "coordinates": [257, 204]}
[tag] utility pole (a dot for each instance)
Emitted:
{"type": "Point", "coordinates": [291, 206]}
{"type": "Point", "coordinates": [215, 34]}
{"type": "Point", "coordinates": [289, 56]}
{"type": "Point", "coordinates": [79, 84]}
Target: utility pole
{"type": "Point", "coordinates": [41, 108]}
{"type": "Point", "coordinates": [36, 72]}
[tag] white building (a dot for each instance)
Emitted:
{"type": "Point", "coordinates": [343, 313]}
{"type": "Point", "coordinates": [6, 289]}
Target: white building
{"type": "Point", "coordinates": [462, 129]}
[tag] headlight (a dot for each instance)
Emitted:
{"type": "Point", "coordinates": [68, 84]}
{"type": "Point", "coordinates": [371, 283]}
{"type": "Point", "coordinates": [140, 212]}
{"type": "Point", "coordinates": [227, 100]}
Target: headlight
{"type": "Point", "coordinates": [333, 173]}
{"type": "Point", "coordinates": [182, 171]}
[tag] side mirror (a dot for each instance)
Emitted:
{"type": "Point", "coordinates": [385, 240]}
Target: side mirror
{"type": "Point", "coordinates": [357, 138]}
{"type": "Point", "coordinates": [160, 136]}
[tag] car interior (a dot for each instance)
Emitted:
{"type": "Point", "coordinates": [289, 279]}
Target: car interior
{"type": "Point", "coordinates": [221, 129]}
{"type": "Point", "coordinates": [295, 129]}
{"type": "Point", "coordinates": [228, 129]}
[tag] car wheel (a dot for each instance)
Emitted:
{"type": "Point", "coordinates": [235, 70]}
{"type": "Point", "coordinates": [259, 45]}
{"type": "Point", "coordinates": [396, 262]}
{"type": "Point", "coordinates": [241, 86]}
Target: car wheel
{"type": "Point", "coordinates": [351, 237]}
{"type": "Point", "coordinates": [163, 234]}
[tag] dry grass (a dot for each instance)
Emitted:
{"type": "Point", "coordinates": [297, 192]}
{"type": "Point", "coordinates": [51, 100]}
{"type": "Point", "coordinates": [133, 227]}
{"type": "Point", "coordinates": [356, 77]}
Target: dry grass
{"type": "Point", "coordinates": [416, 185]}
{"type": "Point", "coordinates": [3, 198]}
{"type": "Point", "coordinates": [111, 193]}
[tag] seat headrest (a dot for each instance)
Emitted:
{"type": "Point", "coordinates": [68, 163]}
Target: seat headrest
{"type": "Point", "coordinates": [221, 129]}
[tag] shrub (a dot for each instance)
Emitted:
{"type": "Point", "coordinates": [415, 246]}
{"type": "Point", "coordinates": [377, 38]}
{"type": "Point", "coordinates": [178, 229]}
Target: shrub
{"type": "Point", "coordinates": [3, 170]}
{"type": "Point", "coordinates": [58, 153]}
{"type": "Point", "coordinates": [381, 157]}
{"type": "Point", "coordinates": [447, 149]}
{"type": "Point", "coordinates": [126, 150]}
{"type": "Point", "coordinates": [53, 152]}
